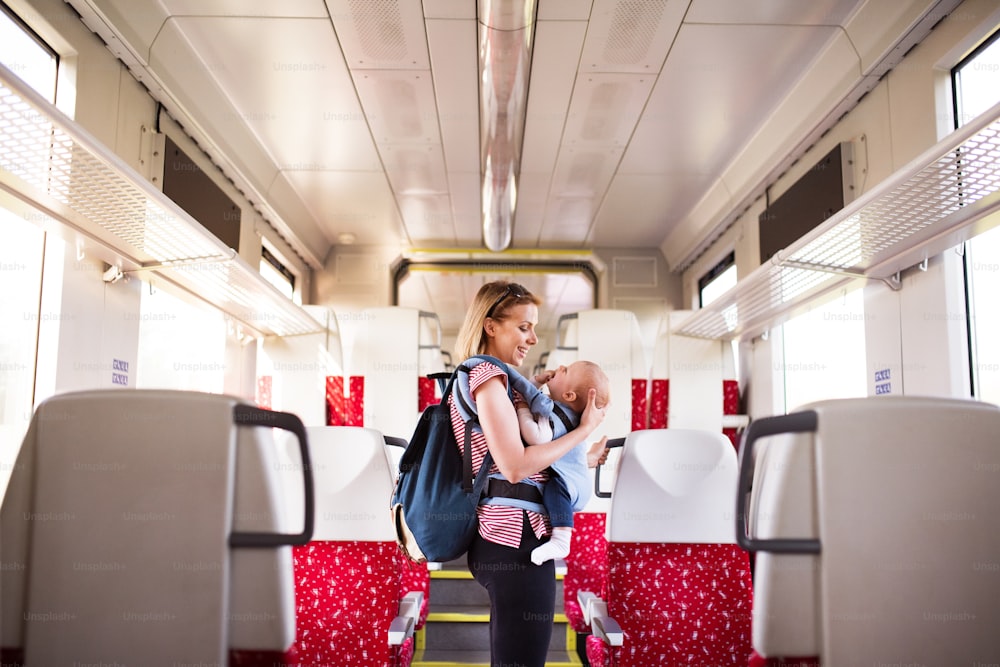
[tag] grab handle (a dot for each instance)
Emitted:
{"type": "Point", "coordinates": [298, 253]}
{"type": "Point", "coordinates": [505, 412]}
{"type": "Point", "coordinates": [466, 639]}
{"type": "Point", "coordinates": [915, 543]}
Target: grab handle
{"type": "Point", "coordinates": [797, 422]}
{"type": "Point", "coordinates": [611, 444]}
{"type": "Point", "coordinates": [248, 415]}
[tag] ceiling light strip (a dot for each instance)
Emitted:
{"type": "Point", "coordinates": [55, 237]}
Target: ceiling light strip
{"type": "Point", "coordinates": [506, 33]}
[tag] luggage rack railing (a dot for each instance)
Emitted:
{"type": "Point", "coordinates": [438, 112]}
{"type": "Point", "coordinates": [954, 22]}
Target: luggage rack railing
{"type": "Point", "coordinates": [51, 164]}
{"type": "Point", "coordinates": [923, 209]}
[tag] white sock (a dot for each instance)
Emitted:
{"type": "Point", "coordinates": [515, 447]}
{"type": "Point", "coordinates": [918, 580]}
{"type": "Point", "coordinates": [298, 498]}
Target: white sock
{"type": "Point", "coordinates": [556, 547]}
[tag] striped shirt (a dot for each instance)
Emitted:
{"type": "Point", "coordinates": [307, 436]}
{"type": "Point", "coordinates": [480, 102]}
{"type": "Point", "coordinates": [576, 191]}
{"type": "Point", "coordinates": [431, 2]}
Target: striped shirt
{"type": "Point", "coordinates": [497, 523]}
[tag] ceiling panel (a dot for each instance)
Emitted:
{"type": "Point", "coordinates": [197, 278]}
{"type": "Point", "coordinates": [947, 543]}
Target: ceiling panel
{"type": "Point", "coordinates": [631, 36]}
{"type": "Point", "coordinates": [555, 57]}
{"type": "Point", "coordinates": [715, 92]}
{"type": "Point", "coordinates": [452, 46]}
{"type": "Point", "coordinates": [380, 34]}
{"type": "Point", "coordinates": [399, 105]}
{"type": "Point", "coordinates": [288, 61]}
{"type": "Point", "coordinates": [356, 202]}
{"type": "Point", "coordinates": [639, 208]}
{"type": "Point", "coordinates": [286, 8]}
{"type": "Point", "coordinates": [777, 12]}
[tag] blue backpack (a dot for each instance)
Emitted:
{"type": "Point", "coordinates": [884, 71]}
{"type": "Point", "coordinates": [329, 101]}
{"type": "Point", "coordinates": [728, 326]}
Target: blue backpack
{"type": "Point", "coordinates": [434, 502]}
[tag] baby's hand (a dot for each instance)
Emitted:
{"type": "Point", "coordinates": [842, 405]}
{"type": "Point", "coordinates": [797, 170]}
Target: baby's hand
{"type": "Point", "coordinates": [543, 378]}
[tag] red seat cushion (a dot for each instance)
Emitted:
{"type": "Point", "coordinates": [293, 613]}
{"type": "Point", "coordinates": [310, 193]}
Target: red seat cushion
{"type": "Point", "coordinates": [586, 565]}
{"type": "Point", "coordinates": [346, 595]}
{"type": "Point", "coordinates": [681, 604]}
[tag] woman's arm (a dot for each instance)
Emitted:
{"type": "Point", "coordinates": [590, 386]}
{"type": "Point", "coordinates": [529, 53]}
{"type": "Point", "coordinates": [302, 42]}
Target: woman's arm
{"type": "Point", "coordinates": [499, 422]}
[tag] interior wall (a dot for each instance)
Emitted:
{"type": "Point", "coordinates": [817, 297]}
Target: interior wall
{"type": "Point", "coordinates": [905, 114]}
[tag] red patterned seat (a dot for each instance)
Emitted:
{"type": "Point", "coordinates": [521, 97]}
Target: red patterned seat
{"type": "Point", "coordinates": [346, 595]}
{"type": "Point", "coordinates": [350, 593]}
{"type": "Point", "coordinates": [679, 604]}
{"type": "Point", "coordinates": [679, 588]}
{"type": "Point", "coordinates": [586, 565]}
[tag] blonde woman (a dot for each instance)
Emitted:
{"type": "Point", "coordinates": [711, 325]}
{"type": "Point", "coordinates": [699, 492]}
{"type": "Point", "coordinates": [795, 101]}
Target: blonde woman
{"type": "Point", "coordinates": [501, 323]}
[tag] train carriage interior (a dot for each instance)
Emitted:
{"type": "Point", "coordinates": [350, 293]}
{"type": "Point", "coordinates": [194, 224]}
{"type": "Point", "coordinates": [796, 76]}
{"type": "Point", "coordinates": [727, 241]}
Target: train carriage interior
{"type": "Point", "coordinates": [241, 237]}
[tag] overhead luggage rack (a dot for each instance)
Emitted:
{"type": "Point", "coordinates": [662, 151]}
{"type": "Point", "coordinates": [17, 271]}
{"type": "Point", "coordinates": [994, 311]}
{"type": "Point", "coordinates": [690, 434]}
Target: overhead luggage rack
{"type": "Point", "coordinates": [56, 167]}
{"type": "Point", "coordinates": [918, 212]}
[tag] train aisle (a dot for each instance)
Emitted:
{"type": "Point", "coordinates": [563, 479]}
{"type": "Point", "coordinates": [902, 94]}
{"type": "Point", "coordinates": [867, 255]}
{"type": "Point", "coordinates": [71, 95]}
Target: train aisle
{"type": "Point", "coordinates": [457, 630]}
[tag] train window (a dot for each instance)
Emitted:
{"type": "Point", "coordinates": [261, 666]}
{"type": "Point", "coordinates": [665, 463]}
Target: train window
{"type": "Point", "coordinates": [21, 257]}
{"type": "Point", "coordinates": [20, 289]}
{"type": "Point", "coordinates": [824, 352]}
{"type": "Point", "coordinates": [976, 86]}
{"type": "Point", "coordinates": [719, 278]}
{"type": "Point", "coordinates": [26, 55]}
{"type": "Point", "coordinates": [276, 273]}
{"type": "Point", "coordinates": [182, 345]}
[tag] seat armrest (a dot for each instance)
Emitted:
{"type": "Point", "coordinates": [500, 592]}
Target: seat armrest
{"type": "Point", "coordinates": [584, 599]}
{"type": "Point", "coordinates": [735, 421]}
{"type": "Point", "coordinates": [409, 612]}
{"type": "Point", "coordinates": [400, 630]}
{"type": "Point", "coordinates": [411, 604]}
{"type": "Point", "coordinates": [604, 626]}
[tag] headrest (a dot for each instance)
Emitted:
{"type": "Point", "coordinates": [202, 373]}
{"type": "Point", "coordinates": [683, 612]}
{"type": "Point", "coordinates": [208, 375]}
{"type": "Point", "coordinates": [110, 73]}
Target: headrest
{"type": "Point", "coordinates": [675, 486]}
{"type": "Point", "coordinates": [353, 484]}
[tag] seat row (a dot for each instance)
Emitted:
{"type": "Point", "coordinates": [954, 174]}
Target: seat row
{"type": "Point", "coordinates": [179, 528]}
{"type": "Point", "coordinates": [159, 527]}
{"type": "Point", "coordinates": [874, 526]}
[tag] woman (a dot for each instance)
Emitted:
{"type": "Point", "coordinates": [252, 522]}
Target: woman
{"type": "Point", "coordinates": [501, 323]}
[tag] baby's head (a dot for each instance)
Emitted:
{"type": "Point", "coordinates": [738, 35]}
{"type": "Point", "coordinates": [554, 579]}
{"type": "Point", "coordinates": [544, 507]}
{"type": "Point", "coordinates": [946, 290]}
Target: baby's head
{"type": "Point", "coordinates": [571, 385]}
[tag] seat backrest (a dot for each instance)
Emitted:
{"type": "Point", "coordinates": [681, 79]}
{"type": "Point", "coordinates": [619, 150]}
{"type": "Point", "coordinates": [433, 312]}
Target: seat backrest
{"type": "Point", "coordinates": [696, 369]}
{"type": "Point", "coordinates": [298, 372]}
{"type": "Point", "coordinates": [896, 498]}
{"type": "Point", "coordinates": [349, 578]}
{"type": "Point", "coordinates": [123, 516]}
{"type": "Point", "coordinates": [674, 485]}
{"type": "Point", "coordinates": [678, 584]}
{"type": "Point", "coordinates": [354, 484]}
{"type": "Point", "coordinates": [385, 366]}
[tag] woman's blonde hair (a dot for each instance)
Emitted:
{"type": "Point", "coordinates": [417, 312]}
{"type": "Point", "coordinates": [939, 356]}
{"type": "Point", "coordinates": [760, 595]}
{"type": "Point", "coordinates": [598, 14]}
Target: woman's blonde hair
{"type": "Point", "coordinates": [492, 300]}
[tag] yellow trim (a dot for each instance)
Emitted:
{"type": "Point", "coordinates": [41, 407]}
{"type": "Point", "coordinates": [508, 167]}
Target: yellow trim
{"type": "Point", "coordinates": [574, 661]}
{"type": "Point", "coordinates": [457, 617]}
{"type": "Point", "coordinates": [473, 270]}
{"type": "Point", "coordinates": [479, 252]}
{"type": "Point", "coordinates": [465, 574]}
{"type": "Point", "coordinates": [450, 574]}
{"type": "Point", "coordinates": [463, 617]}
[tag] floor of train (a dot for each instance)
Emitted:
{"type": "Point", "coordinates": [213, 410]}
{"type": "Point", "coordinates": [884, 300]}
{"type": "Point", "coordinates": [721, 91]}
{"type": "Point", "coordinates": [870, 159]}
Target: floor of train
{"type": "Point", "coordinates": [457, 630]}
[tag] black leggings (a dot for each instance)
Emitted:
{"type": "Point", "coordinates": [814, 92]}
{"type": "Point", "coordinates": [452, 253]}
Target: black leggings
{"type": "Point", "coordinates": [522, 599]}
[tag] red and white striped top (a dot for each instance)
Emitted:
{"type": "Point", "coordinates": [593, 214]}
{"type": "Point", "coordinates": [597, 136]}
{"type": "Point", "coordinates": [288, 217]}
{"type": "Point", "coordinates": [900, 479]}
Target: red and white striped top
{"type": "Point", "coordinates": [497, 523]}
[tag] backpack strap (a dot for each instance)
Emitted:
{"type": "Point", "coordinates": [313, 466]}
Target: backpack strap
{"type": "Point", "coordinates": [484, 485]}
{"type": "Point", "coordinates": [475, 485]}
{"type": "Point", "coordinates": [558, 411]}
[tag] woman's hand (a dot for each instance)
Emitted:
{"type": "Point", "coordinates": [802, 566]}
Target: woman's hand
{"type": "Point", "coordinates": [592, 415]}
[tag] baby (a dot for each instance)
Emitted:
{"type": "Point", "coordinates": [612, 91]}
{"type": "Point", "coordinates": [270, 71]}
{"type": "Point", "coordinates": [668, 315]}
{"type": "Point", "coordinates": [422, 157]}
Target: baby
{"type": "Point", "coordinates": [541, 419]}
